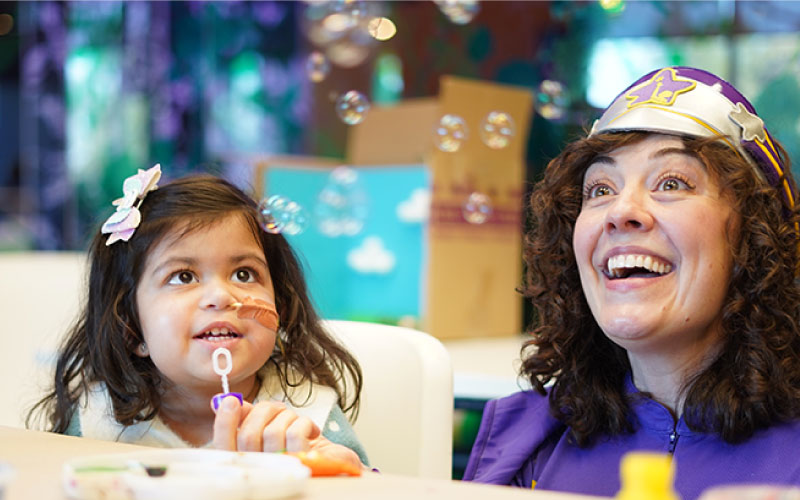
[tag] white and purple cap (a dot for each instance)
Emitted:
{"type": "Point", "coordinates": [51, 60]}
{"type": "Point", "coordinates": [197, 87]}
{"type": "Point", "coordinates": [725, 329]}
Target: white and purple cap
{"type": "Point", "coordinates": [693, 102]}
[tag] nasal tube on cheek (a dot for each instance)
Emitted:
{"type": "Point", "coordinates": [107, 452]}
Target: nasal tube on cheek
{"type": "Point", "coordinates": [223, 372]}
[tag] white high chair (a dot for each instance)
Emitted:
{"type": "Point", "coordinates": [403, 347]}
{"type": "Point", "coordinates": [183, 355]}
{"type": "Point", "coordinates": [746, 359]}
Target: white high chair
{"type": "Point", "coordinates": [406, 417]}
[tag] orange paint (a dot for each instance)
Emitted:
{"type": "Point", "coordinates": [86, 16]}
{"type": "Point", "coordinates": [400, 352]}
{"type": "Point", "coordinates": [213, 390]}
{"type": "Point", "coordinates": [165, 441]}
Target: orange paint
{"type": "Point", "coordinates": [323, 466]}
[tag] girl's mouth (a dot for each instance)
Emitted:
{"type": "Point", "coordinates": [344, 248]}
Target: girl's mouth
{"type": "Point", "coordinates": [218, 334]}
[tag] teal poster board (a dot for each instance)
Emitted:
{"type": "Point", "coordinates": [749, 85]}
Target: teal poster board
{"type": "Point", "coordinates": [363, 247]}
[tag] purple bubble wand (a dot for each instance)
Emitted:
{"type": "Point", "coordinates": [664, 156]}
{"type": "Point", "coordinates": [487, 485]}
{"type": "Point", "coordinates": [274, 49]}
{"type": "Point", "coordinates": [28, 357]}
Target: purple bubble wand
{"type": "Point", "coordinates": [223, 372]}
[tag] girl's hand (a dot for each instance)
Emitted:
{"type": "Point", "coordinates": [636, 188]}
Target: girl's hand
{"type": "Point", "coordinates": [266, 426]}
{"type": "Point", "coordinates": [271, 426]}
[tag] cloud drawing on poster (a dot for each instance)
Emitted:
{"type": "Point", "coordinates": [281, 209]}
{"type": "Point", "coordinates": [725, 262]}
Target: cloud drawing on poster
{"type": "Point", "coordinates": [371, 257]}
{"type": "Point", "coordinates": [416, 208]}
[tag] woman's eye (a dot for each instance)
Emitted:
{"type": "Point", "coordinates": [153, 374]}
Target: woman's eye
{"type": "Point", "coordinates": [181, 278]}
{"type": "Point", "coordinates": [599, 190]}
{"type": "Point", "coordinates": [670, 184]}
{"type": "Point", "coordinates": [244, 276]}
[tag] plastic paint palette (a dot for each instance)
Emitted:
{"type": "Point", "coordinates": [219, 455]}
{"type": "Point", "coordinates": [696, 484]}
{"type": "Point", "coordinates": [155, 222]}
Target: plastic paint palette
{"type": "Point", "coordinates": [185, 473]}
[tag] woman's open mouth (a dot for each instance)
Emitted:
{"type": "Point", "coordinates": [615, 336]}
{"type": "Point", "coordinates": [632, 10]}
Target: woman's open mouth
{"type": "Point", "coordinates": [635, 266]}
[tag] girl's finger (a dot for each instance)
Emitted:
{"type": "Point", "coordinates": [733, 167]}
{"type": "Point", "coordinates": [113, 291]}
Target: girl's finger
{"type": "Point", "coordinates": [226, 424]}
{"type": "Point", "coordinates": [300, 433]}
{"type": "Point", "coordinates": [274, 434]}
{"type": "Point", "coordinates": [252, 426]}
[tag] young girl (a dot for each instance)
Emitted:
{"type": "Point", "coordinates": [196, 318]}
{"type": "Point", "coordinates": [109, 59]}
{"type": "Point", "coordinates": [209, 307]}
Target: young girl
{"type": "Point", "coordinates": [168, 270]}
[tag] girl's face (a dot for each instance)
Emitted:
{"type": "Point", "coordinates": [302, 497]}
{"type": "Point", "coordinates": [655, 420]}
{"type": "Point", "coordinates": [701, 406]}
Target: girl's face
{"type": "Point", "coordinates": [651, 243]}
{"type": "Point", "coordinates": [184, 299]}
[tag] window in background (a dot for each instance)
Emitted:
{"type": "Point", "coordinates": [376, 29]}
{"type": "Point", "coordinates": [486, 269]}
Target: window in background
{"type": "Point", "coordinates": [615, 63]}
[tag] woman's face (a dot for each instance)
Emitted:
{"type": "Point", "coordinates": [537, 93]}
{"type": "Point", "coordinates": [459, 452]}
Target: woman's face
{"type": "Point", "coordinates": [652, 247]}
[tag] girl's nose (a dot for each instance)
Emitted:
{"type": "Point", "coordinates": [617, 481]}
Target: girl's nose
{"type": "Point", "coordinates": [217, 294]}
{"type": "Point", "coordinates": [629, 212]}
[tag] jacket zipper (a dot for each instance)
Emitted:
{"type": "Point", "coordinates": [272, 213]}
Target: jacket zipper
{"type": "Point", "coordinates": [673, 440]}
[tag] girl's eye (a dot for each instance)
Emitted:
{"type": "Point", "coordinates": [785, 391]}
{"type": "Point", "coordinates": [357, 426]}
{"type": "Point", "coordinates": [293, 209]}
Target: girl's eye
{"type": "Point", "coordinates": [244, 276]}
{"type": "Point", "coordinates": [182, 278]}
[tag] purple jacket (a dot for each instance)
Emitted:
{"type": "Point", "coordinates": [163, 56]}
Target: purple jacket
{"type": "Point", "coordinates": [519, 442]}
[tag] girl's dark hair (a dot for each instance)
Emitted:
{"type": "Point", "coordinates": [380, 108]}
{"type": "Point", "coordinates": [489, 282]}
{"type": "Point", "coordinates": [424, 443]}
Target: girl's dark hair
{"type": "Point", "coordinates": [100, 346]}
{"type": "Point", "coordinates": [755, 380]}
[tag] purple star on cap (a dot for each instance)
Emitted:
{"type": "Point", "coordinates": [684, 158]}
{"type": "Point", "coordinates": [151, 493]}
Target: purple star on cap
{"type": "Point", "coordinates": [663, 88]}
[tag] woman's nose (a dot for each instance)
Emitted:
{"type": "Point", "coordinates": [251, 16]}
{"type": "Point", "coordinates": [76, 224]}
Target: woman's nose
{"type": "Point", "coordinates": [217, 294]}
{"type": "Point", "coordinates": [629, 212]}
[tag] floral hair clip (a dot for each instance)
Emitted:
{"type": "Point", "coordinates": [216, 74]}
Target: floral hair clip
{"type": "Point", "coordinates": [122, 223]}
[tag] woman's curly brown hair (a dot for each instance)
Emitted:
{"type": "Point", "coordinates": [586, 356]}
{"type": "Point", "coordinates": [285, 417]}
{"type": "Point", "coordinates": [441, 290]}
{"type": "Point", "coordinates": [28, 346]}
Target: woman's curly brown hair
{"type": "Point", "coordinates": [755, 380]}
{"type": "Point", "coordinates": [100, 346]}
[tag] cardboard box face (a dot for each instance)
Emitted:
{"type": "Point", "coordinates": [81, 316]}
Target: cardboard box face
{"type": "Point", "coordinates": [400, 134]}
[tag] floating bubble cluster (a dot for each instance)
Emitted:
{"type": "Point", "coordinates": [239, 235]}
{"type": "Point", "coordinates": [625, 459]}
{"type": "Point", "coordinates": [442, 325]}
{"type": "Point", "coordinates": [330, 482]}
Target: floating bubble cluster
{"type": "Point", "coordinates": [551, 99]}
{"type": "Point", "coordinates": [278, 214]}
{"type": "Point", "coordinates": [352, 107]}
{"type": "Point", "coordinates": [497, 129]}
{"type": "Point", "coordinates": [317, 66]}
{"type": "Point", "coordinates": [450, 133]}
{"type": "Point", "coordinates": [477, 208]}
{"type": "Point", "coordinates": [342, 205]}
{"type": "Point", "coordinates": [459, 11]}
{"type": "Point", "coordinates": [341, 29]}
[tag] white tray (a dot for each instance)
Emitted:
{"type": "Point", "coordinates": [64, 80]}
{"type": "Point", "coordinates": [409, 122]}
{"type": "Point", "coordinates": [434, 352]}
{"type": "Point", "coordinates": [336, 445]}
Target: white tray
{"type": "Point", "coordinates": [184, 473]}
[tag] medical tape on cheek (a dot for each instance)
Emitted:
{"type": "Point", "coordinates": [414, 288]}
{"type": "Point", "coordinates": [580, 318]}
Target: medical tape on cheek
{"type": "Point", "coordinates": [259, 310]}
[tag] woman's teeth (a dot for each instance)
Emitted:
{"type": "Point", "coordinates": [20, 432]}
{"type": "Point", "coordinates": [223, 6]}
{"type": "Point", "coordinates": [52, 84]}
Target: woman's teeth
{"type": "Point", "coordinates": [621, 266]}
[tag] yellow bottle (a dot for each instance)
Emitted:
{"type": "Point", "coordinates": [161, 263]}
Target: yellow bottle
{"type": "Point", "coordinates": [646, 476]}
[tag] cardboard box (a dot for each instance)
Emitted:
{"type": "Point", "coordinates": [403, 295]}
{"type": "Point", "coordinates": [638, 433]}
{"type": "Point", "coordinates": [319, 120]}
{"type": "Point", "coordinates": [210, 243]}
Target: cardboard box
{"type": "Point", "coordinates": [474, 270]}
{"type": "Point", "coordinates": [469, 272]}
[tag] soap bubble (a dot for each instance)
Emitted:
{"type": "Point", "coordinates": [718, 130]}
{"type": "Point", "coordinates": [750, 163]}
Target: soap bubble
{"type": "Point", "coordinates": [298, 221]}
{"type": "Point", "coordinates": [352, 107]}
{"type": "Point", "coordinates": [551, 99]}
{"type": "Point", "coordinates": [341, 207]}
{"type": "Point", "coordinates": [317, 66]}
{"type": "Point", "coordinates": [497, 129]}
{"type": "Point", "coordinates": [459, 11]}
{"type": "Point", "coordinates": [477, 208]}
{"type": "Point", "coordinates": [450, 133]}
{"type": "Point", "coordinates": [278, 214]}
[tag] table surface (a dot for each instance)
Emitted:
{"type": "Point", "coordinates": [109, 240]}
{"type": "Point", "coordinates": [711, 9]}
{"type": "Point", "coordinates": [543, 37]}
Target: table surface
{"type": "Point", "coordinates": [38, 457]}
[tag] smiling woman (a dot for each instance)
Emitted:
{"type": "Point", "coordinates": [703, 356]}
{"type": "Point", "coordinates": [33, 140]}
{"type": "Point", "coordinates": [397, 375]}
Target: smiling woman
{"type": "Point", "coordinates": [662, 263]}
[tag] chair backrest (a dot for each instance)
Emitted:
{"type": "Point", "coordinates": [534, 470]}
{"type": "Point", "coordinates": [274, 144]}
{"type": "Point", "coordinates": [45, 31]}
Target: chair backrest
{"type": "Point", "coordinates": [406, 418]}
{"type": "Point", "coordinates": [40, 294]}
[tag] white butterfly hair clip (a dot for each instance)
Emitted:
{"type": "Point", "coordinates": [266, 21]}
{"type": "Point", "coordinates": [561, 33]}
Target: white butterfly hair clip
{"type": "Point", "coordinates": [122, 223]}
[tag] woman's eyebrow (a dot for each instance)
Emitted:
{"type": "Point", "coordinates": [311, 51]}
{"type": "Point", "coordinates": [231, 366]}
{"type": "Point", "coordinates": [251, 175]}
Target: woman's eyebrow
{"type": "Point", "coordinates": [673, 151]}
{"type": "Point", "coordinates": [604, 159]}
